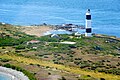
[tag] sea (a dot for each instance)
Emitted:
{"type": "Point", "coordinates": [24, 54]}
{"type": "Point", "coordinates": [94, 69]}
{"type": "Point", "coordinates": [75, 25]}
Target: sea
{"type": "Point", "coordinates": [105, 13]}
{"type": "Point", "coordinates": [4, 76]}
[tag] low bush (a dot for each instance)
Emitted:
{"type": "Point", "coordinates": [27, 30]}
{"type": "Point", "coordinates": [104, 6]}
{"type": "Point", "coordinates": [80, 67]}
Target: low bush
{"type": "Point", "coordinates": [4, 60]}
{"type": "Point", "coordinates": [20, 47]}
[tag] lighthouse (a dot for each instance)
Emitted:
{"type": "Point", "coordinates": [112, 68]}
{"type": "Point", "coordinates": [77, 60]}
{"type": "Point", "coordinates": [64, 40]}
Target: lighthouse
{"type": "Point", "coordinates": [88, 32]}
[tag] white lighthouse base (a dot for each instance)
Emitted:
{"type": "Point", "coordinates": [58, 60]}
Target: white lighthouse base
{"type": "Point", "coordinates": [88, 34]}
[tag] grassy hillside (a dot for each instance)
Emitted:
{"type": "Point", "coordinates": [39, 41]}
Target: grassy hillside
{"type": "Point", "coordinates": [61, 67]}
{"type": "Point", "coordinates": [11, 35]}
{"type": "Point", "coordinates": [90, 58]}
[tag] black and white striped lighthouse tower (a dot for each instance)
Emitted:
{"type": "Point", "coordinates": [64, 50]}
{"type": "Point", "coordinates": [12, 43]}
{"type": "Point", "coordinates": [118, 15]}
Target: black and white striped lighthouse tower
{"type": "Point", "coordinates": [88, 27]}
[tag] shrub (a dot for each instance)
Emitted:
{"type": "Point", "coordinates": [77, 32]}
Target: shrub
{"type": "Point", "coordinates": [63, 78]}
{"type": "Point", "coordinates": [47, 67]}
{"type": "Point", "coordinates": [3, 47]}
{"type": "Point", "coordinates": [49, 73]}
{"type": "Point", "coordinates": [102, 79]}
{"type": "Point", "coordinates": [38, 65]}
{"type": "Point", "coordinates": [56, 62]}
{"type": "Point", "coordinates": [31, 64]}
{"type": "Point", "coordinates": [20, 47]}
{"type": "Point", "coordinates": [48, 39]}
{"type": "Point", "coordinates": [45, 56]}
{"type": "Point", "coordinates": [4, 60]}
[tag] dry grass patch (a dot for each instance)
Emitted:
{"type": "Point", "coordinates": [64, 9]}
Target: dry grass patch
{"type": "Point", "coordinates": [61, 67]}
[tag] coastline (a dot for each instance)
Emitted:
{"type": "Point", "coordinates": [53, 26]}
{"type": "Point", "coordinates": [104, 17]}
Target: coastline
{"type": "Point", "coordinates": [7, 76]}
{"type": "Point", "coordinates": [13, 74]}
{"type": "Point", "coordinates": [36, 30]}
